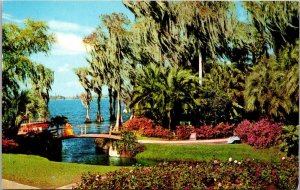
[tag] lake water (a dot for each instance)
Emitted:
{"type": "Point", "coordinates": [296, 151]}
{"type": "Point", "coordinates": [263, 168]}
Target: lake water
{"type": "Point", "coordinates": [82, 150]}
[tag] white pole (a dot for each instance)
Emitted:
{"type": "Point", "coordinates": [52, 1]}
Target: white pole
{"type": "Point", "coordinates": [200, 69]}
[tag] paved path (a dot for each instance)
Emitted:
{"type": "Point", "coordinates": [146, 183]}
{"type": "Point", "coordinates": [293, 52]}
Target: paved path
{"type": "Point", "coordinates": [7, 184]}
{"type": "Point", "coordinates": [210, 141]}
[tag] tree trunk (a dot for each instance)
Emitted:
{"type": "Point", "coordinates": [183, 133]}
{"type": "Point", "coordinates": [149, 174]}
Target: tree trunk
{"type": "Point", "coordinates": [111, 111]}
{"type": "Point", "coordinates": [87, 117]}
{"type": "Point", "coordinates": [115, 95]}
{"type": "Point", "coordinates": [119, 116]}
{"type": "Point", "coordinates": [170, 119]}
{"type": "Point", "coordinates": [99, 117]}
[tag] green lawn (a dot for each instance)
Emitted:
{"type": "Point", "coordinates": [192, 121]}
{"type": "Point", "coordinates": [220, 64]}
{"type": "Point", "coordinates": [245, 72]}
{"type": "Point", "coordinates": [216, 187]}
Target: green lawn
{"type": "Point", "coordinates": [206, 152]}
{"type": "Point", "coordinates": [40, 172]}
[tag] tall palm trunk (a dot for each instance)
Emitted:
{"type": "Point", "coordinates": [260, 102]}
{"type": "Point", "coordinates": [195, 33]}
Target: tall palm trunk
{"type": "Point", "coordinates": [111, 110]}
{"type": "Point", "coordinates": [119, 116]}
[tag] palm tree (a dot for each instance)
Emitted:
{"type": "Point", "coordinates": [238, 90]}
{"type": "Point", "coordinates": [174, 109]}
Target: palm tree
{"type": "Point", "coordinates": [165, 93]}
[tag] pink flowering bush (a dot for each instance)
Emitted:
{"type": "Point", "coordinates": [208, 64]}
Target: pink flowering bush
{"type": "Point", "coordinates": [205, 132]}
{"type": "Point", "coordinates": [261, 134]}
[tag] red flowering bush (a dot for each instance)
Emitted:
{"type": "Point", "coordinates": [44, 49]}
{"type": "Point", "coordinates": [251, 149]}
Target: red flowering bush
{"type": "Point", "coordinates": [184, 132]}
{"type": "Point", "coordinates": [137, 124]}
{"type": "Point", "coordinates": [223, 130]}
{"type": "Point", "coordinates": [8, 145]}
{"type": "Point", "coordinates": [158, 131]}
{"type": "Point", "coordinates": [261, 134]}
{"type": "Point", "coordinates": [205, 132]}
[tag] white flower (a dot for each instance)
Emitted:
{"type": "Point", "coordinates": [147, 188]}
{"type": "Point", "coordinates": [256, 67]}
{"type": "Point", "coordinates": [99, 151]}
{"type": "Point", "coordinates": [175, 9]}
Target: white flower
{"type": "Point", "coordinates": [230, 159]}
{"type": "Point", "coordinates": [283, 158]}
{"type": "Point", "coordinates": [215, 179]}
{"type": "Point", "coordinates": [219, 184]}
{"type": "Point", "coordinates": [235, 161]}
{"type": "Point", "coordinates": [221, 164]}
{"type": "Point", "coordinates": [239, 163]}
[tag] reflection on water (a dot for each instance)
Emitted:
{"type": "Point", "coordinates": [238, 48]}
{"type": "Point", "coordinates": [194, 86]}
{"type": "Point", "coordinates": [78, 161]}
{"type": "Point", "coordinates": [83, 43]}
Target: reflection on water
{"type": "Point", "coordinates": [83, 150]}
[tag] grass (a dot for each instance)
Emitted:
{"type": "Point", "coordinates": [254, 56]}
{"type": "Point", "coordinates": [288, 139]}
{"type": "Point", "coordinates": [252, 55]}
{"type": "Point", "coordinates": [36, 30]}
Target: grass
{"type": "Point", "coordinates": [159, 152]}
{"type": "Point", "coordinates": [40, 172]}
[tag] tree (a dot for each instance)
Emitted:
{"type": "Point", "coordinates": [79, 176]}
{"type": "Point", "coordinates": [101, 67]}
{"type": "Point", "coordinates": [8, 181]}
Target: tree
{"type": "Point", "coordinates": [82, 73]}
{"type": "Point", "coordinates": [17, 67]}
{"type": "Point", "coordinates": [276, 22]}
{"type": "Point", "coordinates": [272, 87]}
{"type": "Point", "coordinates": [96, 84]}
{"type": "Point", "coordinates": [115, 24]}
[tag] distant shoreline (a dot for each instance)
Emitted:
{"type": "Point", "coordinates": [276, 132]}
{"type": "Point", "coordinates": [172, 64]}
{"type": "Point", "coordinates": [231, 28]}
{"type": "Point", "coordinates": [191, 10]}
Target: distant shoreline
{"type": "Point", "coordinates": [73, 98]}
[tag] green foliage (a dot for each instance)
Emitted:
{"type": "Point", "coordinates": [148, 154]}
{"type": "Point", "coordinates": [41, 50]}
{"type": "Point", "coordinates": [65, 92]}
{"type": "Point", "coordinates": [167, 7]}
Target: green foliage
{"type": "Point", "coordinates": [290, 138]}
{"type": "Point", "coordinates": [247, 174]}
{"type": "Point", "coordinates": [164, 93]}
{"type": "Point", "coordinates": [18, 69]}
{"type": "Point", "coordinates": [128, 143]}
{"type": "Point", "coordinates": [272, 87]}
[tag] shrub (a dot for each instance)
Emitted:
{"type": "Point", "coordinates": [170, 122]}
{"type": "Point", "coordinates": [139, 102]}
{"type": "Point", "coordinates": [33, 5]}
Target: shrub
{"type": "Point", "coordinates": [223, 130]}
{"type": "Point", "coordinates": [158, 131]}
{"type": "Point", "coordinates": [261, 134]}
{"type": "Point", "coordinates": [290, 140]}
{"type": "Point", "coordinates": [246, 174]}
{"type": "Point", "coordinates": [184, 132]}
{"type": "Point", "coordinates": [8, 145]}
{"type": "Point", "coordinates": [205, 132]}
{"type": "Point", "coordinates": [128, 143]}
{"type": "Point", "coordinates": [140, 123]}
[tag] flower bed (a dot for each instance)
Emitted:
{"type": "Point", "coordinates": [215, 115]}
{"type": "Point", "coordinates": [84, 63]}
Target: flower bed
{"type": "Point", "coordinates": [9, 145]}
{"type": "Point", "coordinates": [245, 174]}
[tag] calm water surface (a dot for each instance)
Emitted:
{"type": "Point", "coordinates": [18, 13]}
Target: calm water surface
{"type": "Point", "coordinates": [82, 150]}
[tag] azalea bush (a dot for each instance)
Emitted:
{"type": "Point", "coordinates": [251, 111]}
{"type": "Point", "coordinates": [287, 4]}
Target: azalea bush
{"type": "Point", "coordinates": [9, 145]}
{"type": "Point", "coordinates": [261, 134]}
{"type": "Point", "coordinates": [139, 123]}
{"type": "Point", "coordinates": [232, 174]}
{"type": "Point", "coordinates": [184, 132]}
{"type": "Point", "coordinates": [156, 131]}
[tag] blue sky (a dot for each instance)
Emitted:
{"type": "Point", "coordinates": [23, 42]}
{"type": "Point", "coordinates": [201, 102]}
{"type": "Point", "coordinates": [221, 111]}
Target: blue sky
{"type": "Point", "coordinates": [70, 21]}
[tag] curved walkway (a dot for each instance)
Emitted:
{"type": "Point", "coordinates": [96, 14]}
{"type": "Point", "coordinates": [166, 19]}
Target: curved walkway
{"type": "Point", "coordinates": [209, 141]}
{"type": "Point", "coordinates": [7, 184]}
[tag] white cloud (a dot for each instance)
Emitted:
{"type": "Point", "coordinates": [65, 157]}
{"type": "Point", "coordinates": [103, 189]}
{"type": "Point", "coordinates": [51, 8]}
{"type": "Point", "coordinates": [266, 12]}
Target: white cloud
{"type": "Point", "coordinates": [73, 84]}
{"type": "Point", "coordinates": [68, 26]}
{"type": "Point", "coordinates": [10, 18]}
{"type": "Point", "coordinates": [64, 68]}
{"type": "Point", "coordinates": [68, 44]}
